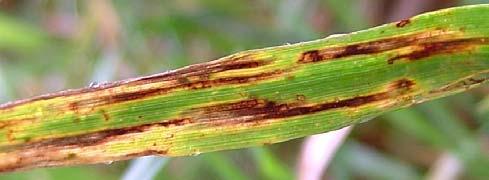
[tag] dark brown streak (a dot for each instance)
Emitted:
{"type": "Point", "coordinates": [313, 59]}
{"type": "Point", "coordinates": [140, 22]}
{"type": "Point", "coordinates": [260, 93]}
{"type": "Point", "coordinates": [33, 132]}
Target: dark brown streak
{"type": "Point", "coordinates": [403, 23]}
{"type": "Point", "coordinates": [105, 115]}
{"type": "Point", "coordinates": [273, 110]}
{"type": "Point", "coordinates": [339, 52]}
{"type": "Point", "coordinates": [364, 48]}
{"type": "Point", "coordinates": [200, 84]}
{"type": "Point", "coordinates": [99, 137]}
{"type": "Point", "coordinates": [444, 47]}
{"type": "Point", "coordinates": [433, 44]}
{"type": "Point", "coordinates": [148, 153]}
{"type": "Point", "coordinates": [262, 109]}
{"type": "Point", "coordinates": [258, 109]}
{"type": "Point", "coordinates": [203, 69]}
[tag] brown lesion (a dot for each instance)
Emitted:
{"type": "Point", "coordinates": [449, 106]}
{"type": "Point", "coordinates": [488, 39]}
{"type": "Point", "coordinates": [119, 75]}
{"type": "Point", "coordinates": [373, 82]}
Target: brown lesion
{"type": "Point", "coordinates": [76, 119]}
{"type": "Point", "coordinates": [53, 156]}
{"type": "Point", "coordinates": [99, 137]}
{"type": "Point", "coordinates": [245, 104]}
{"type": "Point", "coordinates": [401, 85]}
{"type": "Point", "coordinates": [340, 52]}
{"type": "Point", "coordinates": [403, 23]}
{"type": "Point", "coordinates": [71, 156]}
{"type": "Point", "coordinates": [300, 97]}
{"type": "Point", "coordinates": [10, 135]}
{"type": "Point", "coordinates": [196, 84]}
{"type": "Point", "coordinates": [73, 106]}
{"type": "Point", "coordinates": [255, 110]}
{"type": "Point", "coordinates": [56, 151]}
{"type": "Point", "coordinates": [311, 56]}
{"type": "Point", "coordinates": [105, 115]}
{"type": "Point", "coordinates": [251, 111]}
{"type": "Point", "coordinates": [424, 50]}
{"type": "Point", "coordinates": [429, 43]}
{"type": "Point", "coordinates": [147, 153]}
{"type": "Point", "coordinates": [203, 70]}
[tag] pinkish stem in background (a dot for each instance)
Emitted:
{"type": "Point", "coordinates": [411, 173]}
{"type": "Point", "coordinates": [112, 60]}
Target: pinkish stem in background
{"type": "Point", "coordinates": [317, 151]}
{"type": "Point", "coordinates": [446, 167]}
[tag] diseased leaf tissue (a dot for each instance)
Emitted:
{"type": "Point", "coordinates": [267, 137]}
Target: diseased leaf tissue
{"type": "Point", "coordinates": [254, 97]}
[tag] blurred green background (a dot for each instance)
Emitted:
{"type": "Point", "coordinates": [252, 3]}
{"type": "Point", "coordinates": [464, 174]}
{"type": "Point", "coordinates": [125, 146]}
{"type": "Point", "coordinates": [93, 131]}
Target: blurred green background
{"type": "Point", "coordinates": [49, 45]}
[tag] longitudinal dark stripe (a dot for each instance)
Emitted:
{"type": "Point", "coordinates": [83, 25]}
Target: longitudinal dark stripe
{"type": "Point", "coordinates": [118, 98]}
{"type": "Point", "coordinates": [432, 45]}
{"type": "Point", "coordinates": [184, 84]}
{"type": "Point", "coordinates": [424, 50]}
{"type": "Point", "coordinates": [98, 137]}
{"type": "Point", "coordinates": [261, 109]}
{"type": "Point", "coordinates": [204, 69]}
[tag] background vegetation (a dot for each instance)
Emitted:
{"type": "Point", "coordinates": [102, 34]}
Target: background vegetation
{"type": "Point", "coordinates": [48, 45]}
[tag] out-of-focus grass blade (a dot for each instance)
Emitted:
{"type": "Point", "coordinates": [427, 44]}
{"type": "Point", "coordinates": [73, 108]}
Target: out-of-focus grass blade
{"type": "Point", "coordinates": [416, 124]}
{"type": "Point", "coordinates": [483, 107]}
{"type": "Point", "coordinates": [254, 97]}
{"type": "Point", "coordinates": [270, 166]}
{"type": "Point", "coordinates": [439, 126]}
{"type": "Point", "coordinates": [483, 113]}
{"type": "Point", "coordinates": [4, 88]}
{"type": "Point", "coordinates": [464, 144]}
{"type": "Point", "coordinates": [448, 122]}
{"type": "Point", "coordinates": [223, 167]}
{"type": "Point", "coordinates": [75, 173]}
{"type": "Point", "coordinates": [366, 162]}
{"type": "Point", "coordinates": [468, 106]}
{"type": "Point", "coordinates": [347, 13]}
{"type": "Point", "coordinates": [15, 35]}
